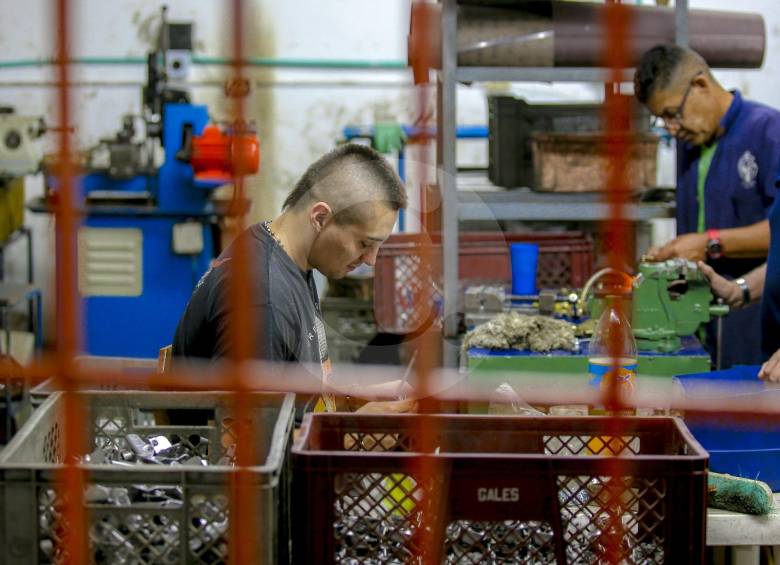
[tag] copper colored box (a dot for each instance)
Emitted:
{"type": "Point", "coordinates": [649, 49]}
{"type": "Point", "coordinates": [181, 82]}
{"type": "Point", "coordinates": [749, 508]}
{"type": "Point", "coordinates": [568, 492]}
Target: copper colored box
{"type": "Point", "coordinates": [582, 162]}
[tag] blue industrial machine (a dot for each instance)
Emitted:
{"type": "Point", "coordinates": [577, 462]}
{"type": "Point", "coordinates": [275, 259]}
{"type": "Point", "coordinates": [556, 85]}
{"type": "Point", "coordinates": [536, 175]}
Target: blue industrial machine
{"type": "Point", "coordinates": [149, 229]}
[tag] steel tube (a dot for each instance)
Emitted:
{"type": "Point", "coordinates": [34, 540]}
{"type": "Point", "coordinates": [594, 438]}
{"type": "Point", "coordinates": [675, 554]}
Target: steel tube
{"type": "Point", "coordinates": [570, 34]}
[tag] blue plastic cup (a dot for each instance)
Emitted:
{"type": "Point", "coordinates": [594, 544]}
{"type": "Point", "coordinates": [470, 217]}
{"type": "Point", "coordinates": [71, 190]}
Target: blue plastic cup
{"type": "Point", "coordinates": [525, 257]}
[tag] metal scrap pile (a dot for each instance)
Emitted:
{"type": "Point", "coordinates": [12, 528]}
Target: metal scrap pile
{"type": "Point", "coordinates": [512, 330]}
{"type": "Point", "coordinates": [156, 450]}
{"type": "Point", "coordinates": [592, 534]}
{"type": "Point", "coordinates": [138, 523]}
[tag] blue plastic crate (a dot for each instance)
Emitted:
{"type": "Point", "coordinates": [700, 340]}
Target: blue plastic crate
{"type": "Point", "coordinates": [740, 448]}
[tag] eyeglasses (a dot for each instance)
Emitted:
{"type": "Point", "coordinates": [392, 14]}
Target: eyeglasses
{"type": "Point", "coordinates": [666, 120]}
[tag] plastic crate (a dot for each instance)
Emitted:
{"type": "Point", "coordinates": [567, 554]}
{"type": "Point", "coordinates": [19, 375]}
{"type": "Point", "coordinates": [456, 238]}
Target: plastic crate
{"type": "Point", "coordinates": [18, 405]}
{"type": "Point", "coordinates": [580, 162]}
{"type": "Point", "coordinates": [565, 260]}
{"type": "Point", "coordinates": [135, 365]}
{"type": "Point", "coordinates": [510, 489]}
{"type": "Point", "coordinates": [29, 501]}
{"type": "Point", "coordinates": [511, 121]}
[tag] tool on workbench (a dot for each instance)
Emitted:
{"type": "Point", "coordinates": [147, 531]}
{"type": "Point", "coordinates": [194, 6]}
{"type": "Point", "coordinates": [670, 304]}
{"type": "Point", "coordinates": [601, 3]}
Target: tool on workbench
{"type": "Point", "coordinates": [719, 340]}
{"type": "Point", "coordinates": [667, 303]}
{"type": "Point", "coordinates": [669, 300]}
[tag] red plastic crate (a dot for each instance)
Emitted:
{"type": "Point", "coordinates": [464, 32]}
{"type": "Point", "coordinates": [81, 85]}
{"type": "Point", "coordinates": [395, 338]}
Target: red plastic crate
{"type": "Point", "coordinates": [509, 489]}
{"type": "Point", "coordinates": [565, 260]}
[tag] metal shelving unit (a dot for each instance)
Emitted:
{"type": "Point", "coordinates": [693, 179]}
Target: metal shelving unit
{"type": "Point", "coordinates": [514, 205]}
{"type": "Point", "coordinates": [526, 205]}
{"type": "Point", "coordinates": [535, 74]}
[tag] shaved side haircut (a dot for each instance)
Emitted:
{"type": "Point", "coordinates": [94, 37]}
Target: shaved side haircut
{"type": "Point", "coordinates": [349, 179]}
{"type": "Point", "coordinates": [666, 66]}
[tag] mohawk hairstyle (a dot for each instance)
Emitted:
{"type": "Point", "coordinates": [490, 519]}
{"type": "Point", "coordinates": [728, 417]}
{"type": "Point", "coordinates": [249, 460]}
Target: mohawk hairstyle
{"type": "Point", "coordinates": [366, 167]}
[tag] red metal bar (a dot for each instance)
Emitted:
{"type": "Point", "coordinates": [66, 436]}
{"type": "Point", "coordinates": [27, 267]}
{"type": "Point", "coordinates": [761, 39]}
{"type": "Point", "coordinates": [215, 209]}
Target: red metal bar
{"type": "Point", "coordinates": [428, 471]}
{"type": "Point", "coordinates": [70, 486]}
{"type": "Point", "coordinates": [743, 404]}
{"type": "Point", "coordinates": [616, 233]}
{"type": "Point", "coordinates": [244, 518]}
{"type": "Point", "coordinates": [430, 342]}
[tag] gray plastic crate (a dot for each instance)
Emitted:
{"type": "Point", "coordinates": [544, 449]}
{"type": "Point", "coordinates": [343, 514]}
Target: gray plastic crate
{"type": "Point", "coordinates": [29, 502]}
{"type": "Point", "coordinates": [40, 392]}
{"type": "Point", "coordinates": [134, 365]}
{"type": "Point", "coordinates": [21, 408]}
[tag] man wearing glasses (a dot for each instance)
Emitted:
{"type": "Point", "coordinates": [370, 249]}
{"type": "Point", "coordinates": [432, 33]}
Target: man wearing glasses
{"type": "Point", "coordinates": [728, 154]}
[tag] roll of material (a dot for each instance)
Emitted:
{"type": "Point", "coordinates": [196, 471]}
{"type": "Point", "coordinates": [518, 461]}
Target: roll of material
{"type": "Point", "coordinates": [495, 33]}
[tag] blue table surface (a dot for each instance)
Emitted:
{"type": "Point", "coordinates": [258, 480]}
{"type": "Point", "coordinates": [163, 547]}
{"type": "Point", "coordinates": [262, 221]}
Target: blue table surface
{"type": "Point", "coordinates": [738, 374]}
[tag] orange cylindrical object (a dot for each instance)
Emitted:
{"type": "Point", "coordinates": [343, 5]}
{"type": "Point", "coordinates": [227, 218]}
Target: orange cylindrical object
{"type": "Point", "coordinates": [424, 40]}
{"type": "Point", "coordinates": [230, 154]}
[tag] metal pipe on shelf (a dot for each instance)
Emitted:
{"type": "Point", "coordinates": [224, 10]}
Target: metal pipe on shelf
{"type": "Point", "coordinates": [681, 31]}
{"type": "Point", "coordinates": [544, 34]}
{"type": "Point", "coordinates": [724, 39]}
{"type": "Point", "coordinates": [479, 200]}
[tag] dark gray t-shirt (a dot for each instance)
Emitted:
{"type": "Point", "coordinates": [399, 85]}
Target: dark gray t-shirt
{"type": "Point", "coordinates": [284, 305]}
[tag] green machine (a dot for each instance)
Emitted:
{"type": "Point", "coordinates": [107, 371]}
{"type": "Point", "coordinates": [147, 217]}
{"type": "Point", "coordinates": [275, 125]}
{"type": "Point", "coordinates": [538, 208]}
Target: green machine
{"type": "Point", "coordinates": [669, 301]}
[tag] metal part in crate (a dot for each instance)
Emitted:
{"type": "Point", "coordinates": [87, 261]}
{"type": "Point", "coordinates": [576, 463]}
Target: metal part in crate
{"type": "Point", "coordinates": [190, 529]}
{"type": "Point", "coordinates": [565, 260]}
{"type": "Point", "coordinates": [509, 489]}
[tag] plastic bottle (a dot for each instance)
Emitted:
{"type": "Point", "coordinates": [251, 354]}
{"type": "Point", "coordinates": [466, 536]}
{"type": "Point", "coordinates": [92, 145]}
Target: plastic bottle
{"type": "Point", "coordinates": [612, 327]}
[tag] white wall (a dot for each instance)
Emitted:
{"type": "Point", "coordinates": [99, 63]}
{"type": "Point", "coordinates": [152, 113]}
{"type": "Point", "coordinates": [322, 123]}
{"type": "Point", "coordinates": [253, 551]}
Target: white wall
{"type": "Point", "coordinates": [300, 113]}
{"type": "Point", "coordinates": [761, 85]}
